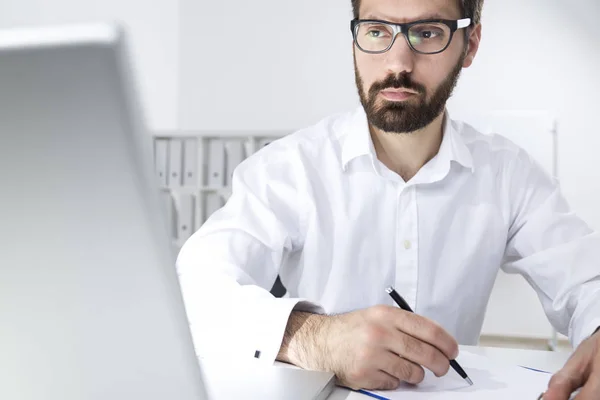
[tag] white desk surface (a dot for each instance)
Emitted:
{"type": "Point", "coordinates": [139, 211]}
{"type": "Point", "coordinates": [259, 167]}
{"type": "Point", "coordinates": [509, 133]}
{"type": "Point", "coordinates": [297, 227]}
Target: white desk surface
{"type": "Point", "coordinates": [550, 361]}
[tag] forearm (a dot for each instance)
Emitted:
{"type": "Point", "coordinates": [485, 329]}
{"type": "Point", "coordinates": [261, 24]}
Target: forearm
{"type": "Point", "coordinates": [305, 341]}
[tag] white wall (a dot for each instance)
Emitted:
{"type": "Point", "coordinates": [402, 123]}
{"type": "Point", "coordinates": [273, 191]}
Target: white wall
{"type": "Point", "coordinates": [265, 64]}
{"type": "Point", "coordinates": [154, 37]}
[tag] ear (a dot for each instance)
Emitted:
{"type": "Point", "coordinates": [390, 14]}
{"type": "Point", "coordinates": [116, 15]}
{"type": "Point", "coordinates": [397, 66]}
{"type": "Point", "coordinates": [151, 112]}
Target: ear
{"type": "Point", "coordinates": [472, 46]}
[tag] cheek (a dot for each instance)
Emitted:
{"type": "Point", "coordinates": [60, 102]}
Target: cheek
{"type": "Point", "coordinates": [370, 64]}
{"type": "Point", "coordinates": [426, 74]}
{"type": "Point", "coordinates": [433, 71]}
{"type": "Point", "coordinates": [366, 70]}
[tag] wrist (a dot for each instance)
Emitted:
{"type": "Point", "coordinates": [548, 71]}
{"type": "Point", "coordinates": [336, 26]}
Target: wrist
{"type": "Point", "coordinates": [305, 341]}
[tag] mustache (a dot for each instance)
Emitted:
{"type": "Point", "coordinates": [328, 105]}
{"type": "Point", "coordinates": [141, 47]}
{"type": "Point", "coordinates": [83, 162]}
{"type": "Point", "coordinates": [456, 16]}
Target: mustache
{"type": "Point", "coordinates": [402, 81]}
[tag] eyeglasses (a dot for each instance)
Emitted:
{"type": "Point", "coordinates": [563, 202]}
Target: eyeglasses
{"type": "Point", "coordinates": [430, 36]}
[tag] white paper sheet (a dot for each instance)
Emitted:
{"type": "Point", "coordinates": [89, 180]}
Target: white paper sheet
{"type": "Point", "coordinates": [492, 381]}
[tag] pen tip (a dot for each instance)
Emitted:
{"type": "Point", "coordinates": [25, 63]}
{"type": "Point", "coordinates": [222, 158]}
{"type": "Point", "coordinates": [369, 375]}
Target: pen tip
{"type": "Point", "coordinates": [469, 381]}
{"type": "Point", "coordinates": [389, 290]}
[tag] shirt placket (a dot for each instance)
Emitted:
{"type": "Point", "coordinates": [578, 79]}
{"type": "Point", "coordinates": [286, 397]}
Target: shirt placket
{"type": "Point", "coordinates": [407, 245]}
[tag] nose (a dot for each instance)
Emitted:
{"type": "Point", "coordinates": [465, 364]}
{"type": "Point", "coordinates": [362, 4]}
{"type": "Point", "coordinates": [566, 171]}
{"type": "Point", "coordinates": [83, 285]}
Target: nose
{"type": "Point", "coordinates": [400, 57]}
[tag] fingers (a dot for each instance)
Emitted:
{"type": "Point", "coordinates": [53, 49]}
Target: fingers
{"type": "Point", "coordinates": [402, 369]}
{"type": "Point", "coordinates": [567, 380]}
{"type": "Point", "coordinates": [591, 388]}
{"type": "Point", "coordinates": [391, 370]}
{"type": "Point", "coordinates": [368, 377]}
{"type": "Point", "coordinates": [560, 388]}
{"type": "Point", "coordinates": [590, 391]}
{"type": "Point", "coordinates": [430, 332]}
{"type": "Point", "coordinates": [419, 353]}
{"type": "Point", "coordinates": [383, 381]}
{"type": "Point", "coordinates": [426, 331]}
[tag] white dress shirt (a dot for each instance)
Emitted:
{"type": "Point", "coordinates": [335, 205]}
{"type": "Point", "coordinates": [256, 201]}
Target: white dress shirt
{"type": "Point", "coordinates": [318, 208]}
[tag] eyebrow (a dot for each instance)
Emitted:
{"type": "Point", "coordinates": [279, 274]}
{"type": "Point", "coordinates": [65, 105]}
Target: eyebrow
{"type": "Point", "coordinates": [394, 20]}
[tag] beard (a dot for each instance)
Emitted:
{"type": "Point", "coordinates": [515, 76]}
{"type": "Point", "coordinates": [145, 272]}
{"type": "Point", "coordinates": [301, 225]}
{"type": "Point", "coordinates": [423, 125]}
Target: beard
{"type": "Point", "coordinates": [407, 116]}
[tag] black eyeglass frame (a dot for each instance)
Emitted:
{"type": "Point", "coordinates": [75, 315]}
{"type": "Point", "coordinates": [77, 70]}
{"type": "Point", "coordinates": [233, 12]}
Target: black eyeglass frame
{"type": "Point", "coordinates": [454, 25]}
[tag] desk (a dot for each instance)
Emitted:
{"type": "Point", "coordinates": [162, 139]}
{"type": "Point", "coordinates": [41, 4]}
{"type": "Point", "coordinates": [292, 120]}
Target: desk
{"type": "Point", "coordinates": [550, 361]}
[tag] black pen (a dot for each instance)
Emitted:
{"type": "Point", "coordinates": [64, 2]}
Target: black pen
{"type": "Point", "coordinates": [404, 305]}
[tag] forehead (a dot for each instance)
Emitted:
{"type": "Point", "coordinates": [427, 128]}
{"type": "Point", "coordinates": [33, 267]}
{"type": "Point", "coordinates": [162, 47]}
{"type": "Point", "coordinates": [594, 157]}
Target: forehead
{"type": "Point", "coordinates": [409, 10]}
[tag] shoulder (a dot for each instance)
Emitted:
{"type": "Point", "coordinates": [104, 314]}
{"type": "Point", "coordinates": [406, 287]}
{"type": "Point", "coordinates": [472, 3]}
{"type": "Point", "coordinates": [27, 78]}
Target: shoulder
{"type": "Point", "coordinates": [492, 150]}
{"type": "Point", "coordinates": [302, 148]}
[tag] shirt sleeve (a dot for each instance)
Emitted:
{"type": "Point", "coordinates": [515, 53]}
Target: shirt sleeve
{"type": "Point", "coordinates": [227, 268]}
{"type": "Point", "coordinates": [554, 250]}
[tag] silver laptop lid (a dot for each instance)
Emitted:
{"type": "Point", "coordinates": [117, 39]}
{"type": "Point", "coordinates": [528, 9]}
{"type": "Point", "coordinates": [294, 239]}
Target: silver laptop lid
{"type": "Point", "coordinates": [90, 306]}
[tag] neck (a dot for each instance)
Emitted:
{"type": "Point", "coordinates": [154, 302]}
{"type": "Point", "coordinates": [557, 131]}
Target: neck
{"type": "Point", "coordinates": [407, 153]}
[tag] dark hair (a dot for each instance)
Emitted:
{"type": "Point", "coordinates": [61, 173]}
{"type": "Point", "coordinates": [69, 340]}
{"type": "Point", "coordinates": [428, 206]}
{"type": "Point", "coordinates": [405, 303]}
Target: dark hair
{"type": "Point", "coordinates": [470, 9]}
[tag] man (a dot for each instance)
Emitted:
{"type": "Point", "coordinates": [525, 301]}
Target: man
{"type": "Point", "coordinates": [393, 194]}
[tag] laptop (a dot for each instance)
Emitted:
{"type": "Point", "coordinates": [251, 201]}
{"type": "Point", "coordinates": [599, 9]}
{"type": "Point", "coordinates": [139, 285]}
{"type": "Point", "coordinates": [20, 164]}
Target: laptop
{"type": "Point", "coordinates": [90, 303]}
{"type": "Point", "coordinates": [90, 306]}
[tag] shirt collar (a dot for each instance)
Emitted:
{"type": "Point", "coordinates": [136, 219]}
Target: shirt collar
{"type": "Point", "coordinates": [356, 138]}
{"type": "Point", "coordinates": [357, 142]}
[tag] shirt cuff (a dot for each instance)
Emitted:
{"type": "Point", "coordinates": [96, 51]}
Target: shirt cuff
{"type": "Point", "coordinates": [585, 325]}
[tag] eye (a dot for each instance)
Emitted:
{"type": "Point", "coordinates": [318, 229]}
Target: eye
{"type": "Point", "coordinates": [374, 34]}
{"type": "Point", "coordinates": [427, 32]}
{"type": "Point", "coordinates": [376, 31]}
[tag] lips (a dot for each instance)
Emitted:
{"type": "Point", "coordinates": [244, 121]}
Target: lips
{"type": "Point", "coordinates": [397, 94]}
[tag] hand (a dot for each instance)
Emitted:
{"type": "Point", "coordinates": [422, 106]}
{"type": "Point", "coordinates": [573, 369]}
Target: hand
{"type": "Point", "coordinates": [376, 348]}
{"type": "Point", "coordinates": [581, 371]}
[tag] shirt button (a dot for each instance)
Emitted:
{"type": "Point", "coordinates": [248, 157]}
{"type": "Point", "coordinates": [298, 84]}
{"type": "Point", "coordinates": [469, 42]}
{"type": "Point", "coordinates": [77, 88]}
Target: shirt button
{"type": "Point", "coordinates": [407, 244]}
